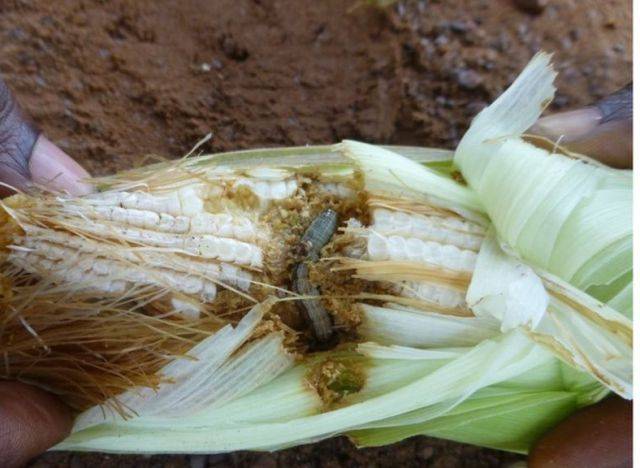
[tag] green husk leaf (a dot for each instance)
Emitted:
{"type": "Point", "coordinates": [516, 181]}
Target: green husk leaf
{"type": "Point", "coordinates": [565, 215]}
{"type": "Point", "coordinates": [391, 174]}
{"type": "Point", "coordinates": [488, 363]}
{"type": "Point", "coordinates": [576, 327]}
{"type": "Point", "coordinates": [216, 371]}
{"type": "Point", "coordinates": [505, 288]}
{"type": "Point", "coordinates": [508, 422]}
{"type": "Point", "coordinates": [412, 327]}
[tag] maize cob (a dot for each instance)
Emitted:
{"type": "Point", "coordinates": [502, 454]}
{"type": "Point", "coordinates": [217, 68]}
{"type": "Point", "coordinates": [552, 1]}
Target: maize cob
{"type": "Point", "coordinates": [164, 308]}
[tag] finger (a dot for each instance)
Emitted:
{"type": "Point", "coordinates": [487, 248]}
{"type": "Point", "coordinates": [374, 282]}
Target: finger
{"type": "Point", "coordinates": [610, 143]}
{"type": "Point", "coordinates": [602, 131]}
{"type": "Point", "coordinates": [27, 158]}
{"type": "Point", "coordinates": [569, 125]}
{"type": "Point", "coordinates": [31, 421]}
{"type": "Point", "coordinates": [599, 435]}
{"type": "Point", "coordinates": [53, 168]}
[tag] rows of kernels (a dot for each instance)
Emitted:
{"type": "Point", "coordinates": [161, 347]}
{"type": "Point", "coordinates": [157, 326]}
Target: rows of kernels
{"type": "Point", "coordinates": [186, 201]}
{"type": "Point", "coordinates": [80, 268]}
{"type": "Point", "coordinates": [223, 249]}
{"type": "Point", "coordinates": [218, 224]}
{"type": "Point", "coordinates": [183, 210]}
{"type": "Point", "coordinates": [226, 225]}
{"type": "Point", "coordinates": [134, 217]}
{"type": "Point", "coordinates": [203, 245]}
{"type": "Point", "coordinates": [398, 248]}
{"type": "Point", "coordinates": [445, 230]}
{"type": "Point", "coordinates": [80, 279]}
{"type": "Point", "coordinates": [93, 273]}
{"type": "Point", "coordinates": [115, 242]}
{"type": "Point", "coordinates": [60, 247]}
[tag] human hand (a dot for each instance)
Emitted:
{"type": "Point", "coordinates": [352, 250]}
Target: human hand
{"type": "Point", "coordinates": [31, 420]}
{"type": "Point", "coordinates": [599, 435]}
{"type": "Point", "coordinates": [28, 158]}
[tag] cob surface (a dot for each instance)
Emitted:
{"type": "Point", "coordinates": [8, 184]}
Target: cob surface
{"type": "Point", "coordinates": [162, 307]}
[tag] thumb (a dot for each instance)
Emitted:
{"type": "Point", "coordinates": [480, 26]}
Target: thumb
{"type": "Point", "coordinates": [603, 131]}
{"type": "Point", "coordinates": [31, 421]}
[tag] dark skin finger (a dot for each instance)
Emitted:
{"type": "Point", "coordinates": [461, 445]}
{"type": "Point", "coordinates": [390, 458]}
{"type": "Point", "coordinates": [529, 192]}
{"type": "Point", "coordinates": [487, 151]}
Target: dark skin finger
{"type": "Point", "coordinates": [598, 436]}
{"type": "Point", "coordinates": [31, 421]}
{"type": "Point", "coordinates": [602, 131]}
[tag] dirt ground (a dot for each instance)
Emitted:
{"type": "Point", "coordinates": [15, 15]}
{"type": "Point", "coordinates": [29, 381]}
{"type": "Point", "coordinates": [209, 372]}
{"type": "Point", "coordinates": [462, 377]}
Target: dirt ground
{"type": "Point", "coordinates": [112, 82]}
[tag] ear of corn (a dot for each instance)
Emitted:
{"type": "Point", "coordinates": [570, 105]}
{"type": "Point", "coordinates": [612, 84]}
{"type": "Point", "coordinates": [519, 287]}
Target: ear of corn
{"type": "Point", "coordinates": [162, 307]}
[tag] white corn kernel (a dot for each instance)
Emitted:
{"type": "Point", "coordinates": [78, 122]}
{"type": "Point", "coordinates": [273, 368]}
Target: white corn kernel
{"type": "Point", "coordinates": [218, 224]}
{"type": "Point", "coordinates": [233, 275]}
{"type": "Point", "coordinates": [188, 309]}
{"type": "Point", "coordinates": [190, 198]}
{"type": "Point", "coordinates": [337, 190]}
{"type": "Point", "coordinates": [269, 190]}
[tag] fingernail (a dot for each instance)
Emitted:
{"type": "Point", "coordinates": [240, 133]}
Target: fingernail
{"type": "Point", "coordinates": [53, 168]}
{"type": "Point", "coordinates": [570, 125]}
{"type": "Point", "coordinates": [617, 106]}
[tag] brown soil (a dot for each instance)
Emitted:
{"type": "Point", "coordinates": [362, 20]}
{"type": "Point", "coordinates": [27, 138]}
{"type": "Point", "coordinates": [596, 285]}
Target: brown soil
{"type": "Point", "coordinates": [112, 81]}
